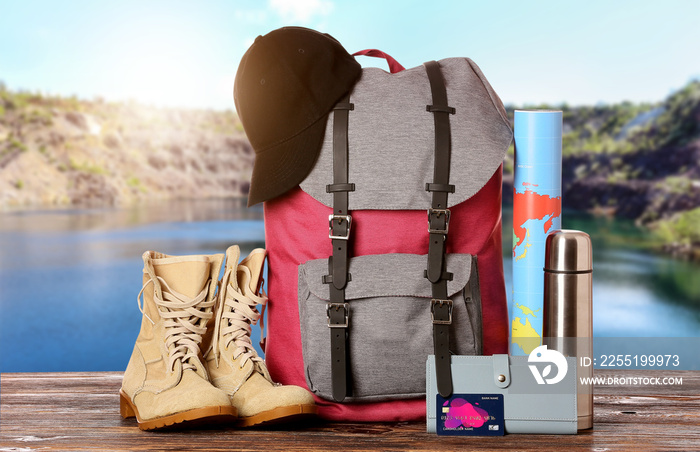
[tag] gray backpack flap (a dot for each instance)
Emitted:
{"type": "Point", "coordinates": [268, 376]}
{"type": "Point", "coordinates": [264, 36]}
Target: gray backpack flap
{"type": "Point", "coordinates": [367, 338]}
{"type": "Point", "coordinates": [390, 302]}
{"type": "Point", "coordinates": [392, 138]}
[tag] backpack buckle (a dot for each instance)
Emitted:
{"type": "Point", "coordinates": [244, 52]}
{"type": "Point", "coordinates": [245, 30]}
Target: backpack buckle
{"type": "Point", "coordinates": [438, 213]}
{"type": "Point", "coordinates": [340, 218]}
{"type": "Point", "coordinates": [346, 314]}
{"type": "Point", "coordinates": [440, 304]}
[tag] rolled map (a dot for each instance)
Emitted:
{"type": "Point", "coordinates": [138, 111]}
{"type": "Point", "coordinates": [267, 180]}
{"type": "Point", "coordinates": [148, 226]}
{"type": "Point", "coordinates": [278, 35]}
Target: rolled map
{"type": "Point", "coordinates": [536, 212]}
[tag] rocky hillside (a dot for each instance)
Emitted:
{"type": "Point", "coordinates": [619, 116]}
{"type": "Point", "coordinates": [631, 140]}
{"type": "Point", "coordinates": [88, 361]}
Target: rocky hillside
{"type": "Point", "coordinates": [637, 161]}
{"type": "Point", "coordinates": [640, 162]}
{"type": "Point", "coordinates": [58, 151]}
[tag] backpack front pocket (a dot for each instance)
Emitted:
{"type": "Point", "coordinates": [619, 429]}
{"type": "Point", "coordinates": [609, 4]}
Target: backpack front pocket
{"type": "Point", "coordinates": [390, 326]}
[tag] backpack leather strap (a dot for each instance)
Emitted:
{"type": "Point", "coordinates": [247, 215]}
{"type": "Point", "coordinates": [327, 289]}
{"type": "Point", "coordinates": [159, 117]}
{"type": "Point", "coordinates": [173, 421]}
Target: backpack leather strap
{"type": "Point", "coordinates": [438, 226]}
{"type": "Point", "coordinates": [339, 224]}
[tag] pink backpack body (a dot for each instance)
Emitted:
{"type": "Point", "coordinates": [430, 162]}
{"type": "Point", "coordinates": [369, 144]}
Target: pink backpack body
{"type": "Point", "coordinates": [390, 158]}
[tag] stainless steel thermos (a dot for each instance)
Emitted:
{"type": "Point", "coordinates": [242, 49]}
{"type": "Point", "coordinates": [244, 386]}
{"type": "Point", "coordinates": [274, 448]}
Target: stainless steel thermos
{"type": "Point", "coordinates": [568, 326]}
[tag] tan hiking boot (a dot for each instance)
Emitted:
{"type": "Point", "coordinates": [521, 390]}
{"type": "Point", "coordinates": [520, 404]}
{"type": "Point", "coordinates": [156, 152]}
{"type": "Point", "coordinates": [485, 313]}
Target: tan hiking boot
{"type": "Point", "coordinates": [165, 381]}
{"type": "Point", "coordinates": [233, 363]}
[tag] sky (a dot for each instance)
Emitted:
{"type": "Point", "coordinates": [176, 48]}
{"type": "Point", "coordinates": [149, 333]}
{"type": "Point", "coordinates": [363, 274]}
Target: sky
{"type": "Point", "coordinates": [185, 54]}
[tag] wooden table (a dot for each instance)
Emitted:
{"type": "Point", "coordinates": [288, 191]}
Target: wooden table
{"type": "Point", "coordinates": [80, 411]}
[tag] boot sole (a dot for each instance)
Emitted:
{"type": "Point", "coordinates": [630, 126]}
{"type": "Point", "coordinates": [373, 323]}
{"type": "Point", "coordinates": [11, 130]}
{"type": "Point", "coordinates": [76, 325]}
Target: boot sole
{"type": "Point", "coordinates": [213, 413]}
{"type": "Point", "coordinates": [277, 415]}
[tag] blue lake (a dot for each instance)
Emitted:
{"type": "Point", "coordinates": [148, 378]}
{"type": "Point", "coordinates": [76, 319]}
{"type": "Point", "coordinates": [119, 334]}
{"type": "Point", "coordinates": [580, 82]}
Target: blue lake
{"type": "Point", "coordinates": [69, 278]}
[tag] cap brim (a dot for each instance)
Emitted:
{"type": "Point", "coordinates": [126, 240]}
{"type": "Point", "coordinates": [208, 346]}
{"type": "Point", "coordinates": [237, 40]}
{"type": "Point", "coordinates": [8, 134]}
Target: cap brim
{"type": "Point", "coordinates": [281, 168]}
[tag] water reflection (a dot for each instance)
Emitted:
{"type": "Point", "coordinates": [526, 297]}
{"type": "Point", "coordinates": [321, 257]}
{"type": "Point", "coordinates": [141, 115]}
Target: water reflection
{"type": "Point", "coordinates": [58, 220]}
{"type": "Point", "coordinates": [636, 293]}
{"type": "Point", "coordinates": [69, 279]}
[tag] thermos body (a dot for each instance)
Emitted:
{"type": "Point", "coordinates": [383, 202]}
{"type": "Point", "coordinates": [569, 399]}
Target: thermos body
{"type": "Point", "coordinates": [568, 326]}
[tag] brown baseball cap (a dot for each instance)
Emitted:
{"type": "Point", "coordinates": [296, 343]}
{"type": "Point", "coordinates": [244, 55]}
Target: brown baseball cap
{"type": "Point", "coordinates": [287, 83]}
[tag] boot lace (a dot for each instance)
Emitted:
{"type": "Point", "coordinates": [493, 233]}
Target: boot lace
{"type": "Point", "coordinates": [236, 313]}
{"type": "Point", "coordinates": [181, 314]}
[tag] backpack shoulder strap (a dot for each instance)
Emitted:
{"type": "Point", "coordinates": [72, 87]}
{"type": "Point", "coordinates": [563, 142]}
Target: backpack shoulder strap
{"type": "Point", "coordinates": [438, 226]}
{"type": "Point", "coordinates": [339, 223]}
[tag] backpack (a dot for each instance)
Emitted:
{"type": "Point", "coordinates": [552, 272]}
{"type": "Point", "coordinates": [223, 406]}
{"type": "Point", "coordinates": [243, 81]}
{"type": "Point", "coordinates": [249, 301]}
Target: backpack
{"type": "Point", "coordinates": [362, 285]}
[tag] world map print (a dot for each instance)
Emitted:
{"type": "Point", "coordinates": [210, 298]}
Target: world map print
{"type": "Point", "coordinates": [535, 214]}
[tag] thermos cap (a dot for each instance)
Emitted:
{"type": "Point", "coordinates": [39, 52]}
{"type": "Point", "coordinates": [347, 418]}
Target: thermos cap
{"type": "Point", "coordinates": [568, 250]}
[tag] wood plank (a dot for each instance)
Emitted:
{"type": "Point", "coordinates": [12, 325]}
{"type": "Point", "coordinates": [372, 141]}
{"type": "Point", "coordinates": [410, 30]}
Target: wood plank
{"type": "Point", "coordinates": [80, 411]}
